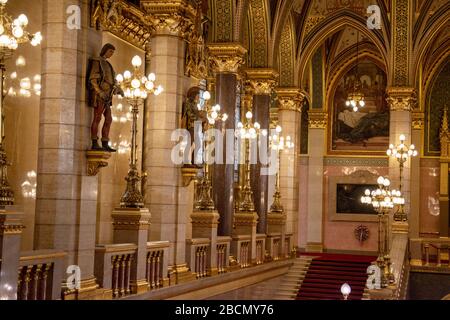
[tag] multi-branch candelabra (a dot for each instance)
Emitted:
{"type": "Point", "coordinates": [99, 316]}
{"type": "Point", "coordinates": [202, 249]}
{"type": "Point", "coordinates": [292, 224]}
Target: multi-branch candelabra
{"type": "Point", "coordinates": [402, 153]}
{"type": "Point", "coordinates": [383, 200]}
{"type": "Point", "coordinates": [248, 131]}
{"type": "Point", "coordinates": [136, 88]}
{"type": "Point", "coordinates": [12, 33]}
{"type": "Point", "coordinates": [204, 191]}
{"type": "Point", "coordinates": [278, 144]}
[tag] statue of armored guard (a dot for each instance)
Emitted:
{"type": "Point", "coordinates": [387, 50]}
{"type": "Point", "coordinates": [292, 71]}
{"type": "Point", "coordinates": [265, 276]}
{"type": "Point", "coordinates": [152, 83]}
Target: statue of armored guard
{"type": "Point", "coordinates": [102, 86]}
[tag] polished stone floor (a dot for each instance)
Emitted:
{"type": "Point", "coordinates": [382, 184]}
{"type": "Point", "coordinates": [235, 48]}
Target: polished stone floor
{"type": "Point", "coordinates": [260, 291]}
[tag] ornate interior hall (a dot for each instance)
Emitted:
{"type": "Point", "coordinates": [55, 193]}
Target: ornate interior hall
{"type": "Point", "coordinates": [224, 149]}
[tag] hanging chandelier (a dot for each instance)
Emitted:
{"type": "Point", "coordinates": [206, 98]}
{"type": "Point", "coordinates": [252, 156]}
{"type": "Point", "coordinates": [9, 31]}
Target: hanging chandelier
{"type": "Point", "coordinates": [355, 98]}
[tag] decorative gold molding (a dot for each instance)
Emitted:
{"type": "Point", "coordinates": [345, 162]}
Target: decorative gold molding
{"type": "Point", "coordinates": [226, 57]}
{"type": "Point", "coordinates": [245, 219]}
{"type": "Point", "coordinates": [189, 174]}
{"type": "Point", "coordinates": [257, 15]}
{"type": "Point", "coordinates": [122, 19]}
{"type": "Point", "coordinates": [174, 17]}
{"type": "Point", "coordinates": [196, 53]}
{"type": "Point", "coordinates": [96, 161]}
{"type": "Point", "coordinates": [400, 45]}
{"type": "Point", "coordinates": [418, 120]}
{"type": "Point", "coordinates": [318, 119]}
{"type": "Point", "coordinates": [444, 136]}
{"type": "Point", "coordinates": [276, 219]}
{"type": "Point", "coordinates": [262, 80]}
{"type": "Point", "coordinates": [290, 99]}
{"type": "Point", "coordinates": [401, 98]}
{"type": "Point", "coordinates": [131, 219]}
{"type": "Point", "coordinates": [205, 219]}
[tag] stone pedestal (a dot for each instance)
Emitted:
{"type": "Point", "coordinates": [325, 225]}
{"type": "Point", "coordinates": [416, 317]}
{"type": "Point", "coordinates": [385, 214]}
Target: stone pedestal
{"type": "Point", "coordinates": [10, 235]}
{"type": "Point", "coordinates": [276, 224]}
{"type": "Point", "coordinates": [245, 224]}
{"type": "Point", "coordinates": [131, 226]}
{"type": "Point", "coordinates": [204, 225]}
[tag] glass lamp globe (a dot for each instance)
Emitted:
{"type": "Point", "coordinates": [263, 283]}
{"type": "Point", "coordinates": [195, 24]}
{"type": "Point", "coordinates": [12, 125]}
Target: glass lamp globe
{"type": "Point", "coordinates": [346, 290]}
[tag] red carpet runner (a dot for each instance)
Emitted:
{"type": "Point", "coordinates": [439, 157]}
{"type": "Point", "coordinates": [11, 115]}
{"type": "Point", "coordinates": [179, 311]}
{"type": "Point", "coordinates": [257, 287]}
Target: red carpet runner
{"type": "Point", "coordinates": [329, 272]}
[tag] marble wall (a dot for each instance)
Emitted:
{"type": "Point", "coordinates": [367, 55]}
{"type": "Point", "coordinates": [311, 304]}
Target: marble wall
{"type": "Point", "coordinates": [22, 118]}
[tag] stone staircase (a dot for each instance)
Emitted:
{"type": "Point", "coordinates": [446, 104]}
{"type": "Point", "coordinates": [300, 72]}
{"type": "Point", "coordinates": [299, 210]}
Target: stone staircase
{"type": "Point", "coordinates": [291, 281]}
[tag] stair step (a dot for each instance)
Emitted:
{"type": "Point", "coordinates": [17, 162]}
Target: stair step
{"type": "Point", "coordinates": [336, 273]}
{"type": "Point", "coordinates": [329, 285]}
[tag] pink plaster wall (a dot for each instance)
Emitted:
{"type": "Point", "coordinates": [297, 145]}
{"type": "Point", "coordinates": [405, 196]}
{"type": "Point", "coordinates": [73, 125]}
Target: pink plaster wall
{"type": "Point", "coordinates": [339, 235]}
{"type": "Point", "coordinates": [303, 204]}
{"type": "Point", "coordinates": [429, 197]}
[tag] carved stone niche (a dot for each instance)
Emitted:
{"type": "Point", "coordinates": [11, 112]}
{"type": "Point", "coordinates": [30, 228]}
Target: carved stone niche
{"type": "Point", "coordinates": [96, 159]}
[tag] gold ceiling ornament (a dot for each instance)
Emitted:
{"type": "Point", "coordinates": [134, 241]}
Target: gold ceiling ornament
{"type": "Point", "coordinates": [226, 57]}
{"type": "Point", "coordinates": [401, 98]}
{"type": "Point", "coordinates": [196, 58]}
{"type": "Point", "coordinates": [318, 119]}
{"type": "Point", "coordinates": [126, 21]}
{"type": "Point", "coordinates": [262, 80]}
{"type": "Point", "coordinates": [174, 17]}
{"type": "Point", "coordinates": [290, 99]}
{"type": "Point", "coordinates": [418, 120]}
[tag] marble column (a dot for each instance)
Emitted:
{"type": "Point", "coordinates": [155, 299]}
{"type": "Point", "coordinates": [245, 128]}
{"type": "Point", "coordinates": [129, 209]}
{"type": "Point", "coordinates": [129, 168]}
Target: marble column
{"type": "Point", "coordinates": [66, 201]}
{"type": "Point", "coordinates": [418, 120]}
{"type": "Point", "coordinates": [317, 144]}
{"type": "Point", "coordinates": [166, 198]}
{"type": "Point", "coordinates": [401, 100]}
{"type": "Point", "coordinates": [262, 82]}
{"type": "Point", "coordinates": [226, 58]}
{"type": "Point", "coordinates": [289, 118]}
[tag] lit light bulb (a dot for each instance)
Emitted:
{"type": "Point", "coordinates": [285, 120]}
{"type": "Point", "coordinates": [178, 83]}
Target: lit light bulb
{"type": "Point", "coordinates": [149, 85]}
{"type": "Point", "coordinates": [25, 83]}
{"type": "Point", "coordinates": [127, 74]}
{"type": "Point", "coordinates": [355, 109]}
{"type": "Point", "coordinates": [249, 115]}
{"type": "Point", "coordinates": [152, 77]}
{"type": "Point", "coordinates": [347, 103]}
{"type": "Point", "coordinates": [206, 95]}
{"type": "Point", "coordinates": [13, 75]}
{"type": "Point", "coordinates": [136, 61]}
{"type": "Point", "coordinates": [402, 138]}
{"type": "Point", "coordinates": [21, 62]}
{"type": "Point", "coordinates": [278, 129]}
{"type": "Point", "coordinates": [23, 19]}
{"type": "Point", "coordinates": [4, 40]}
{"type": "Point", "coordinates": [224, 117]}
{"type": "Point", "coordinates": [362, 103]}
{"type": "Point", "coordinates": [119, 78]}
{"type": "Point", "coordinates": [380, 180]}
{"type": "Point", "coordinates": [135, 83]}
{"type": "Point", "coordinates": [257, 125]}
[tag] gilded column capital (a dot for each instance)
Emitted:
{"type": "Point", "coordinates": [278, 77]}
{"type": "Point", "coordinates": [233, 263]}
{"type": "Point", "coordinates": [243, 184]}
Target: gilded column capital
{"type": "Point", "coordinates": [262, 80]}
{"type": "Point", "coordinates": [418, 120]}
{"type": "Point", "coordinates": [290, 99]}
{"type": "Point", "coordinates": [401, 98]}
{"type": "Point", "coordinates": [172, 17]}
{"type": "Point", "coordinates": [226, 57]}
{"type": "Point", "coordinates": [317, 119]}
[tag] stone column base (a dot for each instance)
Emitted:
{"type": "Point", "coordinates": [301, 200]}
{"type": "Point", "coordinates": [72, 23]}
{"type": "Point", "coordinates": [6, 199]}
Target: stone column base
{"type": "Point", "coordinates": [89, 290]}
{"type": "Point", "coordinates": [183, 274]}
{"type": "Point", "coordinates": [400, 227]}
{"type": "Point", "coordinates": [314, 247]}
{"type": "Point", "coordinates": [139, 286]}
